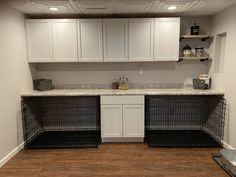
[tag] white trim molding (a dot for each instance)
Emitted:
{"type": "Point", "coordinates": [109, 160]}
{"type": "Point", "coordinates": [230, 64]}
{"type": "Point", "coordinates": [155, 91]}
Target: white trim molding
{"type": "Point", "coordinates": [5, 159]}
{"type": "Point", "coordinates": [226, 145]}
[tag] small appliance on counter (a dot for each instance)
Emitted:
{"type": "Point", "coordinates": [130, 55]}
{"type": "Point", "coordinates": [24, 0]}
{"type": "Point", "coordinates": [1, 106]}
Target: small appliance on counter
{"type": "Point", "coordinates": [123, 83]}
{"type": "Point", "coordinates": [202, 82]}
{"type": "Point", "coordinates": [42, 84]}
{"type": "Point", "coordinates": [195, 29]}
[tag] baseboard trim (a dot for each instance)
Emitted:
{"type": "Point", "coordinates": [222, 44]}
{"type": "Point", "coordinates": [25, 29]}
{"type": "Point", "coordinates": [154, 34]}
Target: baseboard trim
{"type": "Point", "coordinates": [5, 159]}
{"type": "Point", "coordinates": [226, 145]}
{"type": "Point", "coordinates": [122, 140]}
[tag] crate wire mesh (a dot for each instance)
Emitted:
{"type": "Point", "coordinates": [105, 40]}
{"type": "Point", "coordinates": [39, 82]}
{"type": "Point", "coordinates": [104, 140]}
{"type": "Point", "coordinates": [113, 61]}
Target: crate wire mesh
{"type": "Point", "coordinates": [214, 122]}
{"type": "Point", "coordinates": [50, 122]}
{"type": "Point", "coordinates": [185, 120]}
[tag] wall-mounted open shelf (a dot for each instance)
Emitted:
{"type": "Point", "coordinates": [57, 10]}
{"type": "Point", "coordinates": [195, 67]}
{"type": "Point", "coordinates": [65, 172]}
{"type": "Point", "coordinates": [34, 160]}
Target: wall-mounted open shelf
{"type": "Point", "coordinates": [194, 58]}
{"type": "Point", "coordinates": [202, 37]}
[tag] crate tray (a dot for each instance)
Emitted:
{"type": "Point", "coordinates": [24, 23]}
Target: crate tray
{"type": "Point", "coordinates": [66, 139]}
{"type": "Point", "coordinates": [180, 138]}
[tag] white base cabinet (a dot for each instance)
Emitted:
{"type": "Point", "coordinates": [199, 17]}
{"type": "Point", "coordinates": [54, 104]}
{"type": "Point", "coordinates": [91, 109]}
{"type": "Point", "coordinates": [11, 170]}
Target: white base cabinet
{"type": "Point", "coordinates": [122, 118]}
{"type": "Point", "coordinates": [133, 121]}
{"type": "Point", "coordinates": [111, 121]}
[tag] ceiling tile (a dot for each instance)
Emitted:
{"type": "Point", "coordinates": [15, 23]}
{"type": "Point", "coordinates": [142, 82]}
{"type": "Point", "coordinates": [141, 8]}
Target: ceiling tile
{"type": "Point", "coordinates": [145, 7]}
{"type": "Point", "coordinates": [95, 6]}
{"type": "Point", "coordinates": [134, 6]}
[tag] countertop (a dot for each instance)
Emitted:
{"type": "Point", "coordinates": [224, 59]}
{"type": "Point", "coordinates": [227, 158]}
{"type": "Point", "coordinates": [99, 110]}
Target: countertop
{"type": "Point", "coordinates": [99, 92]}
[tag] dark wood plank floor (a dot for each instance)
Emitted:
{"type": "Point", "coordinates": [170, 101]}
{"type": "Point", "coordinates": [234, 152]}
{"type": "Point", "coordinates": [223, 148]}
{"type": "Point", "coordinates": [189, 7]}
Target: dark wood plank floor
{"type": "Point", "coordinates": [126, 160]}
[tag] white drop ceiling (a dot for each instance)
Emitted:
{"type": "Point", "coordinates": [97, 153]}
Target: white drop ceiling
{"type": "Point", "coordinates": [143, 7]}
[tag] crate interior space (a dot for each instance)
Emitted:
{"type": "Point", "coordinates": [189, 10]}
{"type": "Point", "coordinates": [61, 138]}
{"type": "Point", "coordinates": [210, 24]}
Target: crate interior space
{"type": "Point", "coordinates": [196, 121]}
{"type": "Point", "coordinates": [54, 122]}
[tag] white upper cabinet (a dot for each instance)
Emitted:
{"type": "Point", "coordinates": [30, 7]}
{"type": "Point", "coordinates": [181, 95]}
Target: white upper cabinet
{"type": "Point", "coordinates": [141, 39]}
{"type": "Point", "coordinates": [52, 40]}
{"type": "Point", "coordinates": [115, 40]}
{"type": "Point", "coordinates": [90, 40]}
{"type": "Point", "coordinates": [64, 40]}
{"type": "Point", "coordinates": [166, 39]}
{"type": "Point", "coordinates": [39, 40]}
{"type": "Point", "coordinates": [99, 40]}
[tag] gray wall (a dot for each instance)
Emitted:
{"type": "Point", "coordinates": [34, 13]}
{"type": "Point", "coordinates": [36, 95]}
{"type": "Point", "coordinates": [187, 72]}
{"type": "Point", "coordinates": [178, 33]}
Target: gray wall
{"type": "Point", "coordinates": [224, 78]}
{"type": "Point", "coordinates": [15, 77]}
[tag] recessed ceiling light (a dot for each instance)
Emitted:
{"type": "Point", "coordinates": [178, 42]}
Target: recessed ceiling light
{"type": "Point", "coordinates": [172, 7]}
{"type": "Point", "coordinates": [53, 8]}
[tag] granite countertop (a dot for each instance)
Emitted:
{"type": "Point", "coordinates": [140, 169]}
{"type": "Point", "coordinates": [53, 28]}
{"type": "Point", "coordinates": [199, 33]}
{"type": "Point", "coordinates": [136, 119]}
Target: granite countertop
{"type": "Point", "coordinates": [99, 92]}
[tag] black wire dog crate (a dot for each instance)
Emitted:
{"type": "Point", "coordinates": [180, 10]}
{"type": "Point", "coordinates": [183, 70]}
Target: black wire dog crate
{"type": "Point", "coordinates": [59, 122]}
{"type": "Point", "coordinates": [184, 121]}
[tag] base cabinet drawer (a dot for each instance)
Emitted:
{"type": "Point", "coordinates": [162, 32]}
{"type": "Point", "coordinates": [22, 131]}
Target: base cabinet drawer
{"type": "Point", "coordinates": [122, 100]}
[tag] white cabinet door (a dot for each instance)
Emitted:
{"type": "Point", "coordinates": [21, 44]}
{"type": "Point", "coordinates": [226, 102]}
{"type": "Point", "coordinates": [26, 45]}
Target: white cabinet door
{"type": "Point", "coordinates": [167, 31]}
{"type": "Point", "coordinates": [133, 121]}
{"type": "Point", "coordinates": [90, 40]}
{"type": "Point", "coordinates": [39, 40]}
{"type": "Point", "coordinates": [111, 121]}
{"type": "Point", "coordinates": [115, 40]}
{"type": "Point", "coordinates": [141, 39]}
{"type": "Point", "coordinates": [64, 40]}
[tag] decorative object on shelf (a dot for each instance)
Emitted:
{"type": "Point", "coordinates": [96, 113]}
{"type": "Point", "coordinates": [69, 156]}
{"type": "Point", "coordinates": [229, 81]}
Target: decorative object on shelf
{"type": "Point", "coordinates": [195, 29]}
{"type": "Point", "coordinates": [187, 51]}
{"type": "Point", "coordinates": [42, 84]}
{"type": "Point", "coordinates": [202, 82]}
{"type": "Point", "coordinates": [199, 51]}
{"type": "Point", "coordinates": [123, 83]}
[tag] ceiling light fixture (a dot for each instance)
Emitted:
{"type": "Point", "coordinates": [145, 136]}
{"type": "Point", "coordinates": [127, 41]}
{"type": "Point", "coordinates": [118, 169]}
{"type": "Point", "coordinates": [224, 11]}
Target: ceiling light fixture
{"type": "Point", "coordinates": [53, 8]}
{"type": "Point", "coordinates": [172, 7]}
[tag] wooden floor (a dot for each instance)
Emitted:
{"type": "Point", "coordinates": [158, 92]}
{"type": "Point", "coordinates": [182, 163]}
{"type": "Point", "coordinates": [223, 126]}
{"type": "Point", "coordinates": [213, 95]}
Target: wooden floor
{"type": "Point", "coordinates": [126, 160]}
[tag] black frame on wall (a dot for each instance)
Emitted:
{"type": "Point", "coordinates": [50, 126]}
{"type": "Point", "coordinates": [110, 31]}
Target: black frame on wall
{"type": "Point", "coordinates": [59, 122]}
{"type": "Point", "coordinates": [185, 121]}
